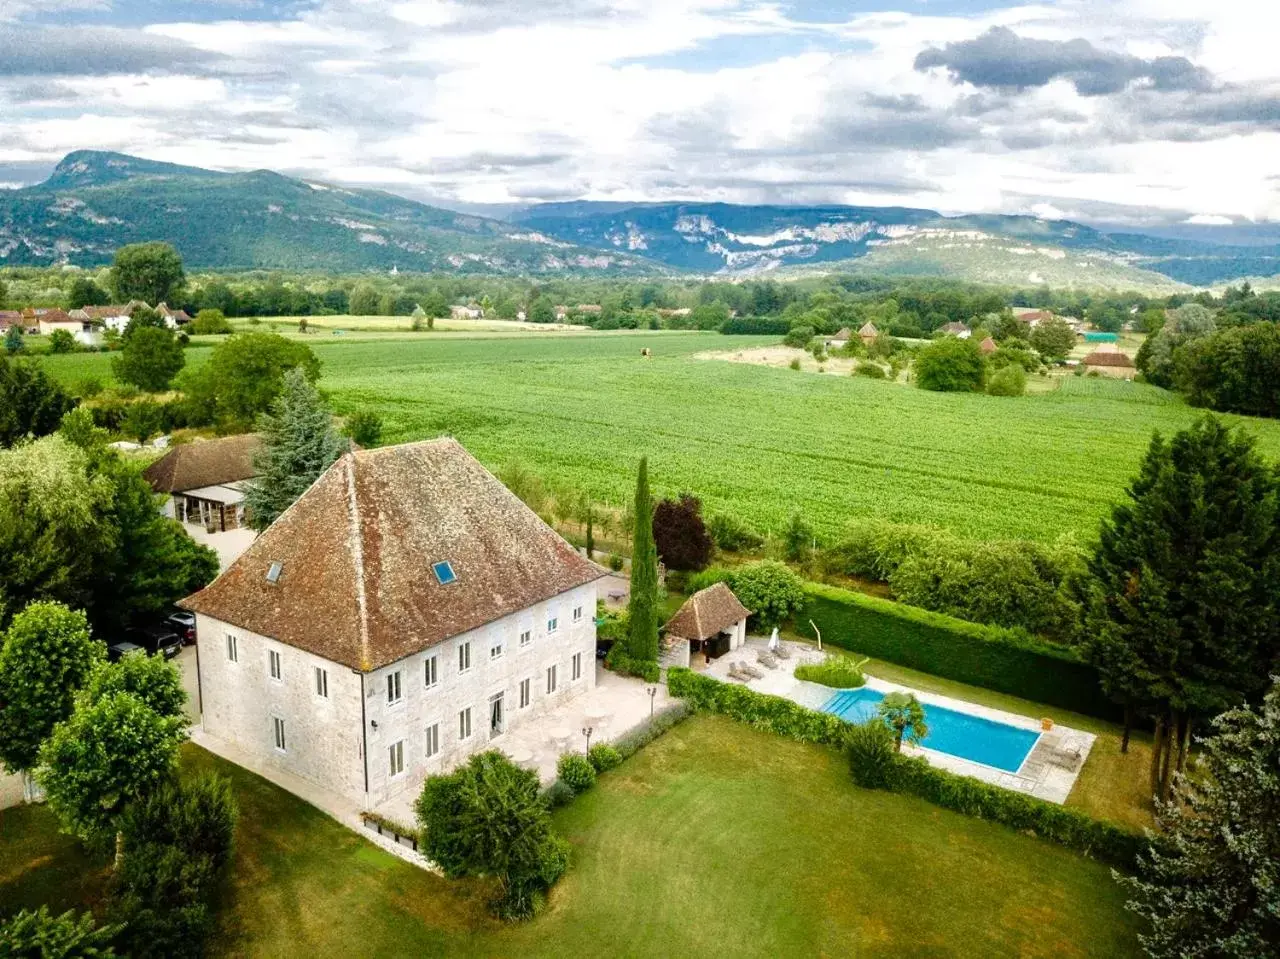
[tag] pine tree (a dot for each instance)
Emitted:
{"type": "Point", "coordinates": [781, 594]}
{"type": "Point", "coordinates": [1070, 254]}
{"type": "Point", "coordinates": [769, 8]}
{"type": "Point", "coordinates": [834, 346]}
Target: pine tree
{"type": "Point", "coordinates": [1181, 607]}
{"type": "Point", "coordinates": [1210, 883]}
{"type": "Point", "coordinates": [642, 610]}
{"type": "Point", "coordinates": [298, 444]}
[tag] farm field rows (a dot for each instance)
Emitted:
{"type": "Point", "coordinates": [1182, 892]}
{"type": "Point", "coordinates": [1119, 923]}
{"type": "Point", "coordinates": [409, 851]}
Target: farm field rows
{"type": "Point", "coordinates": [757, 442]}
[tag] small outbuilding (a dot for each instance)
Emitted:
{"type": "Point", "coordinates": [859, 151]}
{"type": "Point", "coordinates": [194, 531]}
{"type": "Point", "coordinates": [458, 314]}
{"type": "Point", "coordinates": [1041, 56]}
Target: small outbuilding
{"type": "Point", "coordinates": [839, 339]}
{"type": "Point", "coordinates": [868, 333]}
{"type": "Point", "coordinates": [987, 346]}
{"type": "Point", "coordinates": [206, 481]}
{"type": "Point", "coordinates": [712, 622]}
{"type": "Point", "coordinates": [1110, 361]}
{"type": "Point", "coordinates": [958, 330]}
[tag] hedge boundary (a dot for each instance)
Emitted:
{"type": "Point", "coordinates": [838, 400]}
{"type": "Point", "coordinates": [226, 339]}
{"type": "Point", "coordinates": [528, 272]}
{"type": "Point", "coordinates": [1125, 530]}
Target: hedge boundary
{"type": "Point", "coordinates": [913, 775]}
{"type": "Point", "coordinates": [1003, 660]}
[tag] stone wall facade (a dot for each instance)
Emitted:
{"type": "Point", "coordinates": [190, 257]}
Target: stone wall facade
{"type": "Point", "coordinates": [414, 720]}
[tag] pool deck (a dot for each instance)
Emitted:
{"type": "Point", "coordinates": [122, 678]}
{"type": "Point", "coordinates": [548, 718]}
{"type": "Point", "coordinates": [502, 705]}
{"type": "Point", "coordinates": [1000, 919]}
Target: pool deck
{"type": "Point", "coordinates": [1049, 772]}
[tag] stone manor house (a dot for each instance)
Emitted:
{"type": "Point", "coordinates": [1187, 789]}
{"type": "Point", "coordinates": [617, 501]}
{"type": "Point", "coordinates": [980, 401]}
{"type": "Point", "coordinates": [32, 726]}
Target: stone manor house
{"type": "Point", "coordinates": [407, 611]}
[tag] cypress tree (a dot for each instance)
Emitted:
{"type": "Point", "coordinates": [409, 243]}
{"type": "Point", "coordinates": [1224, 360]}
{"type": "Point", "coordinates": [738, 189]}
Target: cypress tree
{"type": "Point", "coordinates": [643, 607]}
{"type": "Point", "coordinates": [591, 539]}
{"type": "Point", "coordinates": [298, 444]}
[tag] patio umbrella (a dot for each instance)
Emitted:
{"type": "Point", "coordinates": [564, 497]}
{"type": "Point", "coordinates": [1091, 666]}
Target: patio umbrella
{"type": "Point", "coordinates": [773, 640]}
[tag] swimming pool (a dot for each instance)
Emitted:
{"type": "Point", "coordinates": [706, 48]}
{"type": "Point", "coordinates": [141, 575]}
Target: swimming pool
{"type": "Point", "coordinates": [958, 734]}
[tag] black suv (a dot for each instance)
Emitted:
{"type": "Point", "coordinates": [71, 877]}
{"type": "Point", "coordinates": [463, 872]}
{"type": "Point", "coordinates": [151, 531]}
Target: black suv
{"type": "Point", "coordinates": [154, 639]}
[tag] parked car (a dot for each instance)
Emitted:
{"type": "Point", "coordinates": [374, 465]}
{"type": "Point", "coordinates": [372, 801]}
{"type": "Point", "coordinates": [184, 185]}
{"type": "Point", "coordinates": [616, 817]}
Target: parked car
{"type": "Point", "coordinates": [184, 624]}
{"type": "Point", "coordinates": [118, 650]}
{"type": "Point", "coordinates": [155, 639]}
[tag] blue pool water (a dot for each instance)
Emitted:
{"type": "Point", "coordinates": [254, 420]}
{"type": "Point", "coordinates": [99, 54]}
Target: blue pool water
{"type": "Point", "coordinates": [969, 737]}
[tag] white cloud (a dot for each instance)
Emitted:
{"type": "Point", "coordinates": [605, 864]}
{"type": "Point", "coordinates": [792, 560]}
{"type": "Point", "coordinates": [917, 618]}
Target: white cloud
{"type": "Point", "coordinates": [514, 99]}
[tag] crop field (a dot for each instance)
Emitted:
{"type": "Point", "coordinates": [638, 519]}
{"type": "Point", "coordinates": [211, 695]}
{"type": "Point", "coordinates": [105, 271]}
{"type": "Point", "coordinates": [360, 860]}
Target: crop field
{"type": "Point", "coordinates": [760, 443]}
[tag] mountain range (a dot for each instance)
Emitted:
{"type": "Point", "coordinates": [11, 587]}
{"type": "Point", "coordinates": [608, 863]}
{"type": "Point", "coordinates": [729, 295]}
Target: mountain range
{"type": "Point", "coordinates": [95, 202]}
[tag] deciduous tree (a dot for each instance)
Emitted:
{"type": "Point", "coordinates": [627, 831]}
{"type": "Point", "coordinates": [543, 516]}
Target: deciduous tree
{"type": "Point", "coordinates": [151, 272]}
{"type": "Point", "coordinates": [31, 403]}
{"type": "Point", "coordinates": [1053, 338]}
{"type": "Point", "coordinates": [150, 359]}
{"type": "Point", "coordinates": [679, 534]}
{"type": "Point", "coordinates": [951, 365]}
{"type": "Point", "coordinates": [488, 818]}
{"type": "Point", "coordinates": [298, 444]}
{"type": "Point", "coordinates": [245, 373]}
{"type": "Point", "coordinates": [84, 292]}
{"type": "Point", "coordinates": [46, 657]}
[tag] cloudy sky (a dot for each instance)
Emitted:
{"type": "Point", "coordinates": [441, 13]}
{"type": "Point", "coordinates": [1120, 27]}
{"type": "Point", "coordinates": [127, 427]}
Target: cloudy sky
{"type": "Point", "coordinates": [1134, 111]}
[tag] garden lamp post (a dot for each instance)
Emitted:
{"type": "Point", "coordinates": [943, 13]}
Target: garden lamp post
{"type": "Point", "coordinates": [653, 692]}
{"type": "Point", "coordinates": [586, 731]}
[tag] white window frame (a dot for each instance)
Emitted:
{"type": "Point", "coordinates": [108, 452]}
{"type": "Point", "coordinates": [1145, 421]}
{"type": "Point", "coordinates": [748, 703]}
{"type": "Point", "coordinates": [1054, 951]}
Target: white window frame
{"type": "Point", "coordinates": [553, 625]}
{"type": "Point", "coordinates": [464, 657]}
{"type": "Point", "coordinates": [575, 668]}
{"type": "Point", "coordinates": [431, 672]}
{"type": "Point", "coordinates": [395, 759]}
{"type": "Point", "coordinates": [395, 688]}
{"type": "Point", "coordinates": [553, 678]}
{"type": "Point", "coordinates": [275, 665]}
{"type": "Point", "coordinates": [432, 748]}
{"type": "Point", "coordinates": [577, 614]}
{"type": "Point", "coordinates": [526, 637]}
{"type": "Point", "coordinates": [464, 724]}
{"type": "Point", "coordinates": [526, 693]}
{"type": "Point", "coordinates": [322, 682]}
{"type": "Point", "coordinates": [233, 648]}
{"type": "Point", "coordinates": [278, 735]}
{"type": "Point", "coordinates": [495, 650]}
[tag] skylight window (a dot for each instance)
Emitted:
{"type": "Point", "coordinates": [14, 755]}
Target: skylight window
{"type": "Point", "coordinates": [273, 574]}
{"type": "Point", "coordinates": [444, 573]}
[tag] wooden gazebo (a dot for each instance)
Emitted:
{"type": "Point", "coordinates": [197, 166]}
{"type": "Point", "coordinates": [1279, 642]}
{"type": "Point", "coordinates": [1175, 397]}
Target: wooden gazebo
{"type": "Point", "coordinates": [712, 622]}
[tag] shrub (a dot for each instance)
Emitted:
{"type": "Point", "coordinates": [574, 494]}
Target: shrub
{"type": "Point", "coordinates": [488, 818]}
{"type": "Point", "coordinates": [731, 535]}
{"type": "Point", "coordinates": [210, 322]}
{"type": "Point", "coordinates": [576, 772]}
{"type": "Point", "coordinates": [771, 713]}
{"type": "Point", "coordinates": [615, 562]}
{"type": "Point", "coordinates": [871, 752]}
{"type": "Point", "coordinates": [61, 341]}
{"type": "Point", "coordinates": [709, 577]}
{"type": "Point", "coordinates": [1009, 380]}
{"type": "Point", "coordinates": [624, 665]}
{"type": "Point", "coordinates": [999, 659]}
{"type": "Point", "coordinates": [798, 336]}
{"type": "Point", "coordinates": [558, 794]}
{"type": "Point", "coordinates": [769, 589]}
{"type": "Point", "coordinates": [639, 736]}
{"type": "Point", "coordinates": [604, 757]}
{"type": "Point", "coordinates": [794, 364]}
{"type": "Point", "coordinates": [838, 672]}
{"type": "Point", "coordinates": [951, 365]}
{"type": "Point", "coordinates": [87, 388]}
{"type": "Point", "coordinates": [797, 540]}
{"type": "Point", "coordinates": [872, 371]}
{"type": "Point", "coordinates": [40, 934]}
{"type": "Point", "coordinates": [364, 427]}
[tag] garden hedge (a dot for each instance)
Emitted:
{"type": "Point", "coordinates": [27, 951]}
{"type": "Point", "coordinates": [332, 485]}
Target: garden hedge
{"type": "Point", "coordinates": [913, 776]}
{"type": "Point", "coordinates": [999, 659]}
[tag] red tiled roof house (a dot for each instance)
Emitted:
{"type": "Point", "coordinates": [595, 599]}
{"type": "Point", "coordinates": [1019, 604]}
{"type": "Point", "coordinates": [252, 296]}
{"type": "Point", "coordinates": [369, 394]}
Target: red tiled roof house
{"type": "Point", "coordinates": [407, 611]}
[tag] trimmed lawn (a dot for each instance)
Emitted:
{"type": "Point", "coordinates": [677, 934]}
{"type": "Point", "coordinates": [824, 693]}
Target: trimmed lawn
{"type": "Point", "coordinates": [716, 839]}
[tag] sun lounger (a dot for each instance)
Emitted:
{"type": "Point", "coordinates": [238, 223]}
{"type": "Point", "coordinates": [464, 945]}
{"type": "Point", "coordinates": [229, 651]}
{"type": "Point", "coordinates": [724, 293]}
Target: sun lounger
{"type": "Point", "coordinates": [766, 659]}
{"type": "Point", "coordinates": [781, 651]}
{"type": "Point", "coordinates": [748, 670]}
{"type": "Point", "coordinates": [737, 675]}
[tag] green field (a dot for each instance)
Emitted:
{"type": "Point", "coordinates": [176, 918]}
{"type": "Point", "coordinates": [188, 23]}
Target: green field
{"type": "Point", "coordinates": [758, 442]}
{"type": "Point", "coordinates": [715, 840]}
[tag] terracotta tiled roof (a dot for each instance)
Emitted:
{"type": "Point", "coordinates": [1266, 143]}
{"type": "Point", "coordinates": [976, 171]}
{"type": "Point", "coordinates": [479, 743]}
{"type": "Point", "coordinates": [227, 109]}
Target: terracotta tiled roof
{"type": "Point", "coordinates": [204, 463]}
{"type": "Point", "coordinates": [955, 328]}
{"type": "Point", "coordinates": [842, 334]}
{"type": "Point", "coordinates": [988, 345]}
{"type": "Point", "coordinates": [868, 329]}
{"type": "Point", "coordinates": [356, 553]}
{"type": "Point", "coordinates": [706, 613]}
{"type": "Point", "coordinates": [1108, 358]}
{"type": "Point", "coordinates": [54, 316]}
